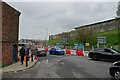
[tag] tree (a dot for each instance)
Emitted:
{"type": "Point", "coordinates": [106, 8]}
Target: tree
{"type": "Point", "coordinates": [118, 10]}
{"type": "Point", "coordinates": [84, 35]}
{"type": "Point", "coordinates": [118, 21]}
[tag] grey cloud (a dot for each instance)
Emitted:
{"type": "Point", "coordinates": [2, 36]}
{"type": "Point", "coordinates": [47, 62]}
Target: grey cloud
{"type": "Point", "coordinates": [59, 17]}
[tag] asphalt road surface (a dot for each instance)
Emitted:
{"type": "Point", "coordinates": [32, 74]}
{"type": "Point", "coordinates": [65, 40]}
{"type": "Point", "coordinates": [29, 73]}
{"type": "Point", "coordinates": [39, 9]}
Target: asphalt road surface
{"type": "Point", "coordinates": [67, 66]}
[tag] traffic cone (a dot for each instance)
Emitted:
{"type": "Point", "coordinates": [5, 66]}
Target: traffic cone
{"type": "Point", "coordinates": [24, 58]}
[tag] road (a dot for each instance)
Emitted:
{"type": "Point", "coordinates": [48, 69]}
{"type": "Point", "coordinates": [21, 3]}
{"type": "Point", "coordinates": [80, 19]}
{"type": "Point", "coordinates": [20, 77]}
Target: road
{"type": "Point", "coordinates": [67, 66]}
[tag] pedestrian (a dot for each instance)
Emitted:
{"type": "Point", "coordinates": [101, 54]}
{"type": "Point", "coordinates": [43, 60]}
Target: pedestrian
{"type": "Point", "coordinates": [22, 54]}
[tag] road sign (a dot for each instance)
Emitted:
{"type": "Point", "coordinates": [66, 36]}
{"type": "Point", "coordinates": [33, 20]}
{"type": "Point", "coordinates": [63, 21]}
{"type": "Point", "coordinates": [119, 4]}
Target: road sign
{"type": "Point", "coordinates": [64, 40]}
{"type": "Point", "coordinates": [58, 45]}
{"type": "Point", "coordinates": [87, 44]}
{"type": "Point", "coordinates": [78, 46]}
{"type": "Point", "coordinates": [101, 40]}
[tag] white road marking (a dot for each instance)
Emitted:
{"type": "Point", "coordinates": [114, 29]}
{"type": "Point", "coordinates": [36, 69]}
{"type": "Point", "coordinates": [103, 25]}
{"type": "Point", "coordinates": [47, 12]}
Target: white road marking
{"type": "Point", "coordinates": [15, 71]}
{"type": "Point", "coordinates": [62, 63]}
{"type": "Point", "coordinates": [77, 75]}
{"type": "Point", "coordinates": [46, 61]}
{"type": "Point", "coordinates": [59, 60]}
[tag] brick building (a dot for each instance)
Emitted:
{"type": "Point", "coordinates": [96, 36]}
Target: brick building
{"type": "Point", "coordinates": [9, 19]}
{"type": "Point", "coordinates": [0, 32]}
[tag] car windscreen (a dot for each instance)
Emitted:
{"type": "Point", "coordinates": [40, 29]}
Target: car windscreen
{"type": "Point", "coordinates": [115, 51]}
{"type": "Point", "coordinates": [40, 49]}
{"type": "Point", "coordinates": [53, 49]}
{"type": "Point", "coordinates": [99, 49]}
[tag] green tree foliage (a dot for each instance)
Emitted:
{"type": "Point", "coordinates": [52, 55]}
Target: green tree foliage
{"type": "Point", "coordinates": [118, 9]}
{"type": "Point", "coordinates": [118, 20]}
{"type": "Point", "coordinates": [72, 40]}
{"type": "Point", "coordinates": [84, 35]}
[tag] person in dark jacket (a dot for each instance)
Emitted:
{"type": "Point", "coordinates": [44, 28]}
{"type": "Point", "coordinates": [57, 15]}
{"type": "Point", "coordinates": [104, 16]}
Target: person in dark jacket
{"type": "Point", "coordinates": [27, 56]}
{"type": "Point", "coordinates": [22, 54]}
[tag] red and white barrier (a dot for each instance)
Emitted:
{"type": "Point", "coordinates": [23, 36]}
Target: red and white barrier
{"type": "Point", "coordinates": [76, 52]}
{"type": "Point", "coordinates": [73, 52]}
{"type": "Point", "coordinates": [86, 53]}
{"type": "Point", "coordinates": [79, 53]}
{"type": "Point", "coordinates": [67, 51]}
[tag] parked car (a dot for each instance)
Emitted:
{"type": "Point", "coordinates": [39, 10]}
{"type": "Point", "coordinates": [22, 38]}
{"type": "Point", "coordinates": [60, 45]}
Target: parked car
{"type": "Point", "coordinates": [114, 70]}
{"type": "Point", "coordinates": [57, 51]}
{"type": "Point", "coordinates": [41, 52]}
{"type": "Point", "coordinates": [104, 53]}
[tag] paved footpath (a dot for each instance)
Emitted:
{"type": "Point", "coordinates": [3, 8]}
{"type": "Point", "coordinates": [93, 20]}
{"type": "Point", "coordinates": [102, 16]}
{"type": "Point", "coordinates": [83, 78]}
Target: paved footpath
{"type": "Point", "coordinates": [15, 67]}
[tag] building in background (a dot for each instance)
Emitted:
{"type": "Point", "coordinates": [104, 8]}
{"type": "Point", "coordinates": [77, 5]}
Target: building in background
{"type": "Point", "coordinates": [102, 26]}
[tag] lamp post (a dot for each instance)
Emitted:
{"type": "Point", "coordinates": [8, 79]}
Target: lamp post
{"type": "Point", "coordinates": [46, 36]}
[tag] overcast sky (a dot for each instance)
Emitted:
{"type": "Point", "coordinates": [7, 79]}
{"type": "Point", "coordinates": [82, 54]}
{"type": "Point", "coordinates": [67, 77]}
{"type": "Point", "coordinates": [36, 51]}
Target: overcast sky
{"type": "Point", "coordinates": [39, 19]}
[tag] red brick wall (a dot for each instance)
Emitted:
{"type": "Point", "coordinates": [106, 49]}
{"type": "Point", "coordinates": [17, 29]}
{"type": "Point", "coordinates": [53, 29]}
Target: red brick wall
{"type": "Point", "coordinates": [0, 33]}
{"type": "Point", "coordinates": [0, 52]}
{"type": "Point", "coordinates": [7, 53]}
{"type": "Point", "coordinates": [9, 30]}
{"type": "Point", "coordinates": [0, 21]}
{"type": "Point", "coordinates": [10, 23]}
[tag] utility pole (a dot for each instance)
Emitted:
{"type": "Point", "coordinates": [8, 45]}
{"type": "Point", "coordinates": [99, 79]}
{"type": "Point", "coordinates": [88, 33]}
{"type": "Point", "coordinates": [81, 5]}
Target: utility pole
{"type": "Point", "coordinates": [46, 36]}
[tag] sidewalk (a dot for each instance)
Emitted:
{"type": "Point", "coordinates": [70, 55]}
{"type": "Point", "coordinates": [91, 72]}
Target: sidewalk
{"type": "Point", "coordinates": [18, 67]}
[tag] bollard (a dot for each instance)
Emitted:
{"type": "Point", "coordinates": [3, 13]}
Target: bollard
{"type": "Point", "coordinates": [32, 57]}
{"type": "Point", "coordinates": [26, 61]}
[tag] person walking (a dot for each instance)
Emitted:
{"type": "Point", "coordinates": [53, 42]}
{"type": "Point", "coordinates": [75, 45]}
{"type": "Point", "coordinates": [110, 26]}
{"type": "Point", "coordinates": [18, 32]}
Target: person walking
{"type": "Point", "coordinates": [22, 54]}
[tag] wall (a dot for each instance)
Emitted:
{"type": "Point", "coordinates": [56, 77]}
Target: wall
{"type": "Point", "coordinates": [97, 27]}
{"type": "Point", "coordinates": [0, 32]}
{"type": "Point", "coordinates": [102, 26]}
{"type": "Point", "coordinates": [10, 30]}
{"type": "Point", "coordinates": [10, 23]}
{"type": "Point", "coordinates": [6, 53]}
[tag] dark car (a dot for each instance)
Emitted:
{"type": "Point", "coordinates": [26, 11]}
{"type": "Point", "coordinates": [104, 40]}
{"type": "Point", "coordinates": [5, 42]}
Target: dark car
{"type": "Point", "coordinates": [114, 70]}
{"type": "Point", "coordinates": [104, 53]}
{"type": "Point", "coordinates": [57, 51]}
{"type": "Point", "coordinates": [41, 52]}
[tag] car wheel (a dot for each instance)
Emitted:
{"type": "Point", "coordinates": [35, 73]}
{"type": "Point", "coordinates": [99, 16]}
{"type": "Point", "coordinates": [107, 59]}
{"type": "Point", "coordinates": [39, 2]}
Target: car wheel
{"type": "Point", "coordinates": [95, 57]}
{"type": "Point", "coordinates": [45, 55]}
{"type": "Point", "coordinates": [38, 55]}
{"type": "Point", "coordinates": [50, 53]}
{"type": "Point", "coordinates": [117, 75]}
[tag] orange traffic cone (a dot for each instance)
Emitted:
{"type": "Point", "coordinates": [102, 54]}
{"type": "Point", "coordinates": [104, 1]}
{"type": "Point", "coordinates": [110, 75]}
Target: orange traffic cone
{"type": "Point", "coordinates": [24, 58]}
